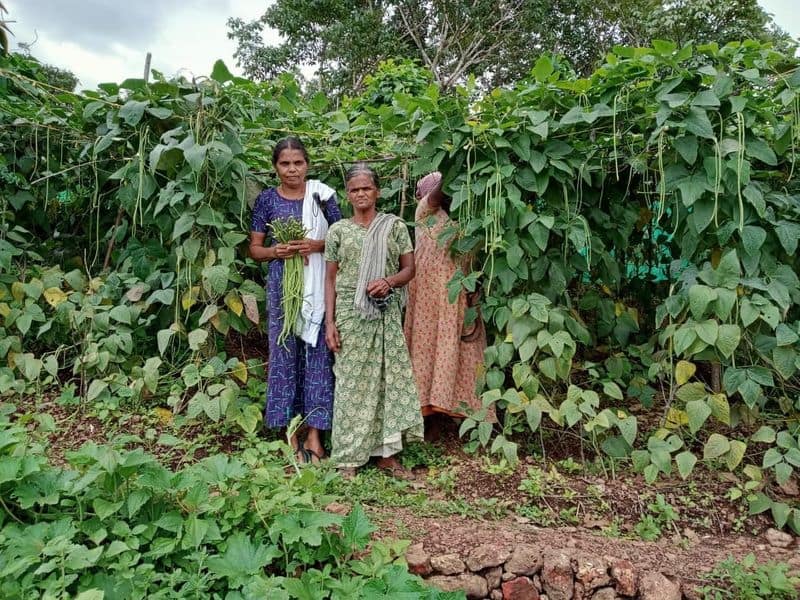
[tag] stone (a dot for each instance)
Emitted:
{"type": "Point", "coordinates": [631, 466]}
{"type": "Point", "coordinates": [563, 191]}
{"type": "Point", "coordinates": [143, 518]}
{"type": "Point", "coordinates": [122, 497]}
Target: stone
{"type": "Point", "coordinates": [790, 487]}
{"type": "Point", "coordinates": [496, 595]}
{"type": "Point", "coordinates": [474, 586]}
{"type": "Point", "coordinates": [486, 557]}
{"type": "Point", "coordinates": [508, 576]}
{"type": "Point", "coordinates": [778, 539]}
{"type": "Point", "coordinates": [493, 577]}
{"type": "Point", "coordinates": [448, 564]}
{"type": "Point", "coordinates": [520, 588]}
{"type": "Point", "coordinates": [626, 580]}
{"type": "Point", "coordinates": [557, 576]}
{"type": "Point", "coordinates": [591, 572]}
{"type": "Point", "coordinates": [655, 586]}
{"type": "Point", "coordinates": [338, 508]}
{"type": "Point", "coordinates": [419, 561]}
{"type": "Point", "coordinates": [525, 560]}
{"type": "Point", "coordinates": [605, 593]}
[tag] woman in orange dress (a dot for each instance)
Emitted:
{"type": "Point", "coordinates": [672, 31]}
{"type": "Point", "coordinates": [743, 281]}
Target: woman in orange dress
{"type": "Point", "coordinates": [446, 359]}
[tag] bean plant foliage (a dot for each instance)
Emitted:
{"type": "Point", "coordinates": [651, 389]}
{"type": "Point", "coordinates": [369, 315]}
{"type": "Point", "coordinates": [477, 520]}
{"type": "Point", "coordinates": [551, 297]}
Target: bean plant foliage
{"type": "Point", "coordinates": [634, 234]}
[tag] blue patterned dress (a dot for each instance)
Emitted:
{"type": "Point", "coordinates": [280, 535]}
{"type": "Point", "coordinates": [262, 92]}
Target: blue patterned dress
{"type": "Point", "coordinates": [300, 379]}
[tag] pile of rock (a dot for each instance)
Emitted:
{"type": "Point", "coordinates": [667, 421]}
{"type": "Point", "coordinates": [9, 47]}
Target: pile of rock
{"type": "Point", "coordinates": [525, 573]}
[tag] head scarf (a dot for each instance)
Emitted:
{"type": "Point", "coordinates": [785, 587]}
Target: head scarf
{"type": "Point", "coordinates": [429, 183]}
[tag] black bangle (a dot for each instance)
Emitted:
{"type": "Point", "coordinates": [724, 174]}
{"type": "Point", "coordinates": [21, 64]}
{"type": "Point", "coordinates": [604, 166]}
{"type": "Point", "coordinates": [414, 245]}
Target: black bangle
{"type": "Point", "coordinates": [391, 287]}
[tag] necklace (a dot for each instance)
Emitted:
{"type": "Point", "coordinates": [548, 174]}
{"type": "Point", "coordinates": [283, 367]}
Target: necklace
{"type": "Point", "coordinates": [298, 195]}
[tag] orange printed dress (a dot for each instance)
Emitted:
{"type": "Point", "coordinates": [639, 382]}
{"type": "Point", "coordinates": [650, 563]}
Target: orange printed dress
{"type": "Point", "coordinates": [445, 366]}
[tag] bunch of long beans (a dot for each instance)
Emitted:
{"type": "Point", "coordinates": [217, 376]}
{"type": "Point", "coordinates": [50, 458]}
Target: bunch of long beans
{"type": "Point", "coordinates": [285, 231]}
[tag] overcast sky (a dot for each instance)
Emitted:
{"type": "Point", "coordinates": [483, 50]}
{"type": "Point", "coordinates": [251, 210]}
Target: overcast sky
{"type": "Point", "coordinates": [107, 40]}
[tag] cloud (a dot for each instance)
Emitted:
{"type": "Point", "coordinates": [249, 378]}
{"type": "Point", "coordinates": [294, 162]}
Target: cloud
{"type": "Point", "coordinates": [107, 40]}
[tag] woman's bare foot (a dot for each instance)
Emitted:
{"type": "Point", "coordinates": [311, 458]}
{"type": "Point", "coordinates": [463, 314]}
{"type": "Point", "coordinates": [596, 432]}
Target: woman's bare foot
{"type": "Point", "coordinates": [392, 466]}
{"type": "Point", "coordinates": [347, 473]}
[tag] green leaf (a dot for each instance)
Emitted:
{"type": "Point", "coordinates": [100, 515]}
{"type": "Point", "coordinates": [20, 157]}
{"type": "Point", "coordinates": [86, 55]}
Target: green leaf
{"type": "Point", "coordinates": [708, 331]}
{"type": "Point", "coordinates": [197, 338]}
{"type": "Point", "coordinates": [215, 280]}
{"type": "Point", "coordinates": [783, 471]}
{"type": "Point", "coordinates": [728, 339]}
{"type": "Point", "coordinates": [543, 68]}
{"type": "Point", "coordinates": [692, 392]}
{"type": "Point", "coordinates": [735, 454]}
{"type": "Point", "coordinates": [96, 388]}
{"type": "Point", "coordinates": [612, 389]}
{"type": "Point", "coordinates": [220, 72]}
{"type": "Point", "coordinates": [183, 224]}
{"type": "Point", "coordinates": [698, 411]}
{"type": "Point", "coordinates": [242, 559]}
{"type": "Point", "coordinates": [765, 435]}
{"type": "Point", "coordinates": [163, 337]}
{"type": "Point", "coordinates": [780, 513]}
{"type": "Point", "coordinates": [132, 111]}
{"type": "Point", "coordinates": [706, 98]}
{"type": "Point", "coordinates": [700, 296]}
{"type": "Point", "coordinates": [697, 122]}
{"type": "Point", "coordinates": [687, 147]}
{"type": "Point", "coordinates": [357, 529]}
{"type": "Point", "coordinates": [686, 462]}
{"type": "Point", "coordinates": [760, 150]}
{"type": "Point", "coordinates": [753, 239]}
{"type": "Point", "coordinates": [716, 446]}
{"type": "Point", "coordinates": [195, 156]}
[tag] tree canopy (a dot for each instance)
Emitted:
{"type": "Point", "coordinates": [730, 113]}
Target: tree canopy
{"type": "Point", "coordinates": [498, 42]}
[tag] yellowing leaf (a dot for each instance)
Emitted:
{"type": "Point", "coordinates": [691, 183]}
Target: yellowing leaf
{"type": "Point", "coordinates": [684, 371]}
{"type": "Point", "coordinates": [634, 314]}
{"type": "Point", "coordinates": [720, 408]}
{"type": "Point", "coordinates": [240, 372]}
{"type": "Point", "coordinates": [12, 360]}
{"type": "Point", "coordinates": [18, 291]}
{"type": "Point", "coordinates": [189, 297]}
{"type": "Point", "coordinates": [95, 284]}
{"type": "Point", "coordinates": [234, 303]}
{"type": "Point", "coordinates": [5, 309]}
{"type": "Point", "coordinates": [54, 296]}
{"type": "Point", "coordinates": [250, 307]}
{"type": "Point", "coordinates": [619, 308]}
{"type": "Point", "coordinates": [164, 415]}
{"type": "Point", "coordinates": [676, 418]}
{"type": "Point", "coordinates": [220, 322]}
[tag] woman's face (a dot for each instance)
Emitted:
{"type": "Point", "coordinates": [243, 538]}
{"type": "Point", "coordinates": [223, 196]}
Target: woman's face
{"type": "Point", "coordinates": [291, 167]}
{"type": "Point", "coordinates": [362, 193]}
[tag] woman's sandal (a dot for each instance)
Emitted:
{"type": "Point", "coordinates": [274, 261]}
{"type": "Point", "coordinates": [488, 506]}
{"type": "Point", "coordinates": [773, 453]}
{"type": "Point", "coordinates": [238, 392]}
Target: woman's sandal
{"type": "Point", "coordinates": [302, 456]}
{"type": "Point", "coordinates": [312, 457]}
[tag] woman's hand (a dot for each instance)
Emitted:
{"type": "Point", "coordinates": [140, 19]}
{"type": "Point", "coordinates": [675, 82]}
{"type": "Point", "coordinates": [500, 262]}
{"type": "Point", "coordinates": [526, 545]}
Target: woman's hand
{"type": "Point", "coordinates": [284, 251]}
{"type": "Point", "coordinates": [307, 247]}
{"type": "Point", "coordinates": [332, 338]}
{"type": "Point", "coordinates": [379, 288]}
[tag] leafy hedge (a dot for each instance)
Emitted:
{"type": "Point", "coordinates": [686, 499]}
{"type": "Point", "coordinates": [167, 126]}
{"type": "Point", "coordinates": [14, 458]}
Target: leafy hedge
{"type": "Point", "coordinates": [118, 524]}
{"type": "Point", "coordinates": [635, 234]}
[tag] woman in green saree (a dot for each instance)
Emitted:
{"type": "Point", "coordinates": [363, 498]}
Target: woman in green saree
{"type": "Point", "coordinates": [369, 260]}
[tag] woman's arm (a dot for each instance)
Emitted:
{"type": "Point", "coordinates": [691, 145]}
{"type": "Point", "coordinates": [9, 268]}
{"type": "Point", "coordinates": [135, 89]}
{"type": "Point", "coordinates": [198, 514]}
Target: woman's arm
{"type": "Point", "coordinates": [380, 287]}
{"type": "Point", "coordinates": [331, 332]}
{"type": "Point", "coordinates": [263, 253]}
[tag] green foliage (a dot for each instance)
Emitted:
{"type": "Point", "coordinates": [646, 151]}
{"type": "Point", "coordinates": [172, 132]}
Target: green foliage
{"type": "Point", "coordinates": [747, 580]}
{"type": "Point", "coordinates": [456, 40]}
{"type": "Point", "coordinates": [660, 515]}
{"type": "Point", "coordinates": [117, 524]}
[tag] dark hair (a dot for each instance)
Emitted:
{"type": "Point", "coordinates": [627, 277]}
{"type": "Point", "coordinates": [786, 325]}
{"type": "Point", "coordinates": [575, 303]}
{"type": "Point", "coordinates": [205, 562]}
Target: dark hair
{"type": "Point", "coordinates": [362, 169]}
{"type": "Point", "coordinates": [289, 143]}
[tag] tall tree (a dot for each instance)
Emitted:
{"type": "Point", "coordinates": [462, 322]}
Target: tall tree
{"type": "Point", "coordinates": [4, 30]}
{"type": "Point", "coordinates": [497, 40]}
